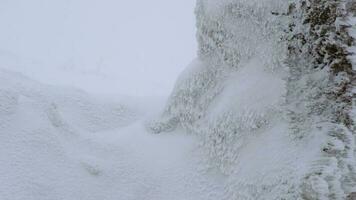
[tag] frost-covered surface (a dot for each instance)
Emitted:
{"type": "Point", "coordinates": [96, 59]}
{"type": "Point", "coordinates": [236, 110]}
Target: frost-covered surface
{"type": "Point", "coordinates": [269, 104]}
{"type": "Point", "coordinates": [321, 92]}
{"type": "Point", "coordinates": [270, 97]}
{"type": "Point", "coordinates": [61, 143]}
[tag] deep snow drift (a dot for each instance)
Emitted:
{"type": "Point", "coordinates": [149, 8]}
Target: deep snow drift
{"type": "Point", "coordinates": [61, 143]}
{"type": "Point", "coordinates": [266, 111]}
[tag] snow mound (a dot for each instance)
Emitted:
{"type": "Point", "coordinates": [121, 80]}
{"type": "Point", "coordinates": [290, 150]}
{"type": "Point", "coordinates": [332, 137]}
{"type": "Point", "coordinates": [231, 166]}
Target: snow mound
{"type": "Point", "coordinates": [39, 127]}
{"type": "Point", "coordinates": [61, 143]}
{"type": "Point", "coordinates": [63, 106]}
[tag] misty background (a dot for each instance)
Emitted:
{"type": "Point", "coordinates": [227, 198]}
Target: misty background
{"type": "Point", "coordinates": [135, 47]}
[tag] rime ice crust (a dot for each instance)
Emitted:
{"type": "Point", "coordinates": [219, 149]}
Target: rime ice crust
{"type": "Point", "coordinates": [231, 35]}
{"type": "Point", "coordinates": [321, 92]}
{"type": "Point", "coordinates": [242, 89]}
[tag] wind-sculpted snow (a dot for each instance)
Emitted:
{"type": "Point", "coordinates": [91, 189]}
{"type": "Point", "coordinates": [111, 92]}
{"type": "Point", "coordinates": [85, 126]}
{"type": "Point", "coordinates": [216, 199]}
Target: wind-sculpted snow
{"type": "Point", "coordinates": [256, 79]}
{"type": "Point", "coordinates": [61, 143]}
{"type": "Point", "coordinates": [269, 104]}
{"type": "Point", "coordinates": [76, 107]}
{"type": "Point", "coordinates": [39, 127]}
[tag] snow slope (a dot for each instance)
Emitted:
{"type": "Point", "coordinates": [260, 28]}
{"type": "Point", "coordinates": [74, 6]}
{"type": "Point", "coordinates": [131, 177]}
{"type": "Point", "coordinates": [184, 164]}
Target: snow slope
{"type": "Point", "coordinates": [61, 143]}
{"type": "Point", "coordinates": [264, 112]}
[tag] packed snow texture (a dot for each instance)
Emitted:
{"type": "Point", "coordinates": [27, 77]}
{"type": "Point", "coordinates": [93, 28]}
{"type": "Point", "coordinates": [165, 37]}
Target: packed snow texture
{"type": "Point", "coordinates": [241, 90]}
{"type": "Point", "coordinates": [247, 120]}
{"type": "Point", "coordinates": [61, 143]}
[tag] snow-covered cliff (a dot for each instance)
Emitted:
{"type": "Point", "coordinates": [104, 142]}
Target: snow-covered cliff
{"type": "Point", "coordinates": [321, 92]}
{"type": "Point", "coordinates": [270, 96]}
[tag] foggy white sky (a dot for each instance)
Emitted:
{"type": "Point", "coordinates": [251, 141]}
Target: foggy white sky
{"type": "Point", "coordinates": [134, 47]}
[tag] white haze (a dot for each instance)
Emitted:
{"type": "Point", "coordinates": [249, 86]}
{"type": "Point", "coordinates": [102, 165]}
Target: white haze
{"type": "Point", "coordinates": [134, 47]}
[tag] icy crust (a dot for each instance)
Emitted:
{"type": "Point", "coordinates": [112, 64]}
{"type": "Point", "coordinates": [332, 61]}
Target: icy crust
{"type": "Point", "coordinates": [233, 97]}
{"type": "Point", "coordinates": [321, 95]}
{"type": "Point", "coordinates": [235, 35]}
{"type": "Point", "coordinates": [235, 31]}
{"type": "Point", "coordinates": [351, 20]}
{"type": "Point", "coordinates": [240, 111]}
{"type": "Point", "coordinates": [257, 60]}
{"type": "Point", "coordinates": [228, 40]}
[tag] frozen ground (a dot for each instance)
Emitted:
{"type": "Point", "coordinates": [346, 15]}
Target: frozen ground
{"type": "Point", "coordinates": [225, 132]}
{"type": "Point", "coordinates": [60, 143]}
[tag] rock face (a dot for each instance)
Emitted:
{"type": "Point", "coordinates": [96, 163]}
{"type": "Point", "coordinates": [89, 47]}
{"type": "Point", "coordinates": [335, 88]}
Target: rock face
{"type": "Point", "coordinates": [271, 96]}
{"type": "Point", "coordinates": [321, 91]}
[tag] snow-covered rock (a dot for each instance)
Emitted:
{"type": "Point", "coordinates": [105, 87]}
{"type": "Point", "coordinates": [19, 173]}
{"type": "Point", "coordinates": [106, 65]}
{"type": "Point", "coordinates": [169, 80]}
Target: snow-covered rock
{"type": "Point", "coordinates": [269, 104]}
{"type": "Point", "coordinates": [321, 92]}
{"type": "Point", "coordinates": [271, 98]}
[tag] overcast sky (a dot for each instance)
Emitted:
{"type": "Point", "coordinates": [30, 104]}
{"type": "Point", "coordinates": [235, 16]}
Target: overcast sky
{"type": "Point", "coordinates": [135, 47]}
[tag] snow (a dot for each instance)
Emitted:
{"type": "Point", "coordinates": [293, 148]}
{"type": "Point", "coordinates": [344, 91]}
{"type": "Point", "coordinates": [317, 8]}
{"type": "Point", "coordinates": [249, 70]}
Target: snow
{"type": "Point", "coordinates": [60, 143]}
{"type": "Point", "coordinates": [352, 31]}
{"type": "Point", "coordinates": [239, 91]}
{"type": "Point", "coordinates": [225, 132]}
{"type": "Point", "coordinates": [52, 147]}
